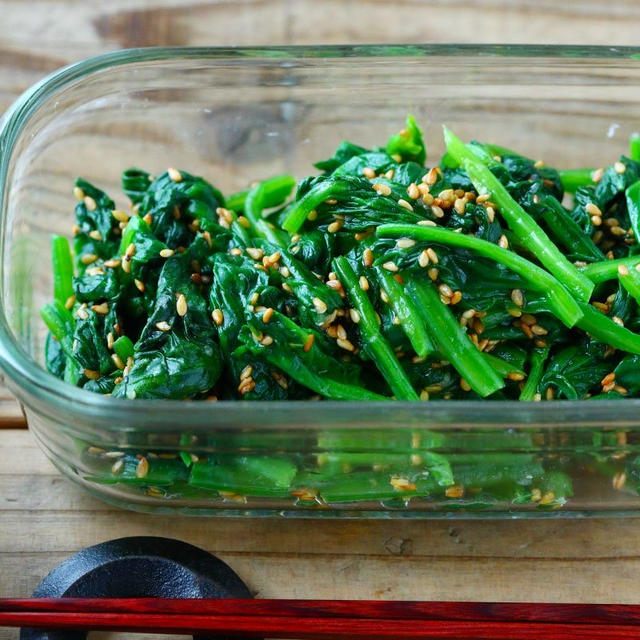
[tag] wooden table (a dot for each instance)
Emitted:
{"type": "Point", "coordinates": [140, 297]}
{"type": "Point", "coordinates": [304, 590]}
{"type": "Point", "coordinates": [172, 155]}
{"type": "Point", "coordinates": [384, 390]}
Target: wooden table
{"type": "Point", "coordinates": [44, 519]}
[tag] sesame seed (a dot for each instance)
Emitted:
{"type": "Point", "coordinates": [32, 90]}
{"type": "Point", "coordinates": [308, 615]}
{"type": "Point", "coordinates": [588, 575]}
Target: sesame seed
{"type": "Point", "coordinates": [91, 374]}
{"type": "Point", "coordinates": [82, 313]}
{"type": "Point", "coordinates": [402, 484]}
{"type": "Point", "coordinates": [608, 379]}
{"type": "Point", "coordinates": [483, 198]}
{"type": "Point", "coordinates": [142, 468]}
{"type": "Point", "coordinates": [207, 236]}
{"type": "Point", "coordinates": [593, 209]}
{"type": "Point", "coordinates": [131, 251]}
{"type": "Point", "coordinates": [619, 479]}
{"type": "Point", "coordinates": [266, 341]}
{"type": "Point", "coordinates": [218, 316]}
{"type": "Point", "coordinates": [78, 193]}
{"type": "Point", "coordinates": [95, 235]}
{"type": "Point", "coordinates": [405, 205]}
{"type": "Point", "coordinates": [308, 343]}
{"type": "Point", "coordinates": [456, 297]}
{"type": "Point", "coordinates": [320, 305]}
{"type": "Point", "coordinates": [383, 296]}
{"type": "Point", "coordinates": [503, 242]}
{"type": "Point", "coordinates": [246, 372]}
{"type": "Point", "coordinates": [255, 253]}
{"type": "Point", "coordinates": [617, 231]}
{"type": "Point", "coordinates": [313, 215]}
{"type": "Point", "coordinates": [345, 344]}
{"type": "Point", "coordinates": [163, 326]}
{"type": "Point", "coordinates": [405, 243]}
{"type": "Point", "coordinates": [335, 226]}
{"type": "Point", "coordinates": [368, 172]}
{"type": "Point", "coordinates": [596, 221]}
{"type": "Point", "coordinates": [181, 305]}
{"type": "Point", "coordinates": [433, 273]}
{"type": "Point", "coordinates": [596, 175]}
{"type": "Point", "coordinates": [364, 283]}
{"type": "Point", "coordinates": [120, 215]}
{"type": "Point", "coordinates": [272, 260]}
{"type": "Point", "coordinates": [266, 316]}
{"type": "Point", "coordinates": [354, 314]}
{"type": "Point", "coordinates": [382, 189]}
{"type": "Point", "coordinates": [437, 211]}
{"type": "Point", "coordinates": [427, 223]}
{"type": "Point", "coordinates": [431, 177]}
{"type": "Point", "coordinates": [117, 360]}
{"type": "Point", "coordinates": [538, 164]}
{"type": "Point", "coordinates": [619, 167]}
{"type": "Point", "coordinates": [117, 466]}
{"type": "Point", "coordinates": [445, 290]}
{"type": "Point", "coordinates": [390, 266]}
{"type": "Point", "coordinates": [88, 258]}
{"type": "Point", "coordinates": [455, 491]}
{"type": "Point", "coordinates": [174, 174]}
{"type": "Point", "coordinates": [618, 321]}
{"type": "Point", "coordinates": [112, 264]}
{"type": "Point", "coordinates": [412, 191]}
{"type": "Point", "coordinates": [102, 309]}
{"type": "Point", "coordinates": [90, 203]}
{"type": "Point", "coordinates": [517, 297]}
{"type": "Point", "coordinates": [460, 205]}
{"type": "Point", "coordinates": [433, 256]}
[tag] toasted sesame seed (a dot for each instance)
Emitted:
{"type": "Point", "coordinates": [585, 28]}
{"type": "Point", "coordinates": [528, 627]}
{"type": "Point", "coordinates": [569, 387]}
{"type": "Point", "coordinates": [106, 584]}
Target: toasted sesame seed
{"type": "Point", "coordinates": [412, 191]}
{"type": "Point", "coordinates": [91, 374]}
{"type": "Point", "coordinates": [538, 330]}
{"type": "Point", "coordinates": [174, 174]}
{"type": "Point", "coordinates": [390, 266]}
{"type": "Point", "coordinates": [181, 305]}
{"type": "Point", "coordinates": [433, 256]}
{"type": "Point", "coordinates": [618, 480]}
{"type": "Point", "coordinates": [423, 258]}
{"type": "Point", "coordinates": [517, 297]}
{"type": "Point", "coordinates": [82, 313]}
{"type": "Point", "coordinates": [364, 283]}
{"type": "Point", "coordinates": [218, 316]}
{"type": "Point", "coordinates": [120, 215]}
{"type": "Point", "coordinates": [117, 360]}
{"type": "Point", "coordinates": [95, 235]}
{"type": "Point", "coordinates": [88, 258]}
{"type": "Point", "coordinates": [433, 273]}
{"type": "Point", "coordinates": [617, 231]}
{"type": "Point", "coordinates": [131, 250]}
{"type": "Point", "coordinates": [368, 172]}
{"type": "Point", "coordinates": [618, 321]}
{"type": "Point", "coordinates": [238, 252]}
{"type": "Point", "coordinates": [142, 468]}
{"type": "Point", "coordinates": [405, 243]}
{"type": "Point", "coordinates": [102, 308]}
{"type": "Point", "coordinates": [163, 326]}
{"type": "Point", "coordinates": [117, 466]}
{"type": "Point", "coordinates": [437, 211]}
{"type": "Point", "coordinates": [405, 205]}
{"type": "Point", "coordinates": [608, 379]}
{"type": "Point", "coordinates": [445, 290]}
{"type": "Point", "coordinates": [503, 242]}
{"type": "Point", "coordinates": [246, 372]}
{"type": "Point", "coordinates": [272, 260]}
{"type": "Point", "coordinates": [78, 193]}
{"type": "Point", "coordinates": [266, 316]}
{"type": "Point", "coordinates": [70, 301]}
{"type": "Point", "coordinates": [367, 257]}
{"type": "Point", "coordinates": [515, 376]}
{"type": "Point", "coordinates": [402, 484]}
{"type": "Point", "coordinates": [483, 197]}
{"type": "Point", "coordinates": [383, 296]}
{"type": "Point", "coordinates": [382, 189]}
{"type": "Point", "coordinates": [313, 215]}
{"type": "Point", "coordinates": [456, 297]}
{"type": "Point", "coordinates": [538, 164]}
{"type": "Point", "coordinates": [454, 491]}
{"type": "Point", "coordinates": [593, 209]}
{"type": "Point", "coordinates": [619, 167]}
{"type": "Point", "coordinates": [308, 343]}
{"type": "Point", "coordinates": [112, 264]}
{"type": "Point", "coordinates": [345, 344]}
{"type": "Point", "coordinates": [389, 174]}
{"type": "Point", "coordinates": [255, 253]}
{"type": "Point", "coordinates": [354, 314]}
{"type": "Point", "coordinates": [427, 223]}
{"type": "Point", "coordinates": [548, 498]}
{"type": "Point", "coordinates": [431, 177]}
{"type": "Point", "coordinates": [90, 203]}
{"type": "Point", "coordinates": [320, 305]}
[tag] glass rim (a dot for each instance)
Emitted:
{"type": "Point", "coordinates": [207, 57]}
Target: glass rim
{"type": "Point", "coordinates": [34, 381]}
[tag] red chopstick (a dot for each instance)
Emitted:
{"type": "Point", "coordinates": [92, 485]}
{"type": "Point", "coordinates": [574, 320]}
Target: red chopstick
{"type": "Point", "coordinates": [329, 619]}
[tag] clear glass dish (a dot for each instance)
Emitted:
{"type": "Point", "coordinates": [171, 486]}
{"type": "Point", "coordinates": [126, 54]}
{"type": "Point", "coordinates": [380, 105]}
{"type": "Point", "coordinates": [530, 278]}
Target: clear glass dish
{"type": "Point", "coordinates": [234, 115]}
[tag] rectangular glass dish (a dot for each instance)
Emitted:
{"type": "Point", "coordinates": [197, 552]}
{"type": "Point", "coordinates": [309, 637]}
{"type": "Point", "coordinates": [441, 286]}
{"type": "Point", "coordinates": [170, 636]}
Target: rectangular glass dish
{"type": "Point", "coordinates": [236, 115]}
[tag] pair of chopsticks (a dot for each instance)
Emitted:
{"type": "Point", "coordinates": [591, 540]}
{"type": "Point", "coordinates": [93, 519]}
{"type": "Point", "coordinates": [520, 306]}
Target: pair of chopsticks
{"type": "Point", "coordinates": [328, 619]}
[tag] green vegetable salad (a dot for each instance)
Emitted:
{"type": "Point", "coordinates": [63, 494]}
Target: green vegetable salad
{"type": "Point", "coordinates": [490, 275]}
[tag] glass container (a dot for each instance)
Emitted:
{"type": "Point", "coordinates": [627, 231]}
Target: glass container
{"type": "Point", "coordinates": [237, 115]}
